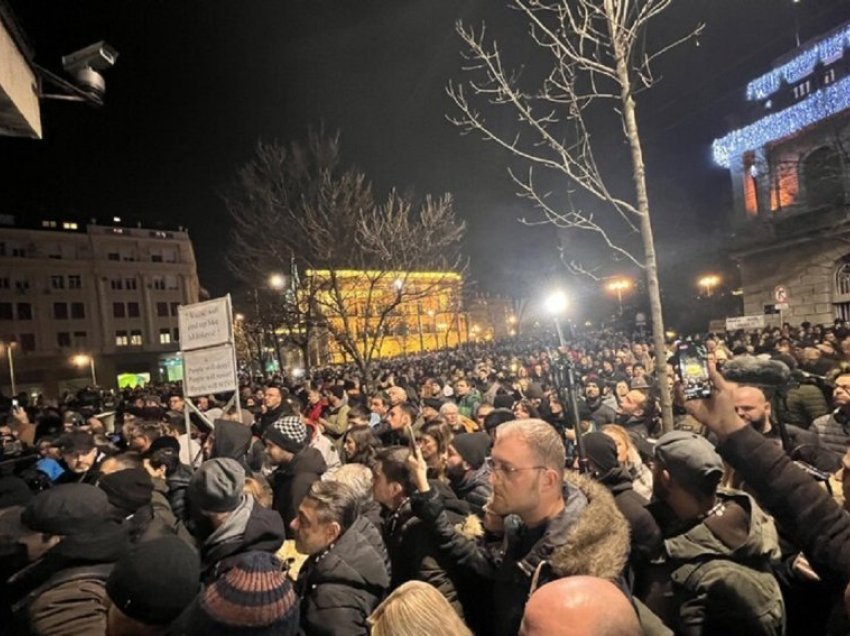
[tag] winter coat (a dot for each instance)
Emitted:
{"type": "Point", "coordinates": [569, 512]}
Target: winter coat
{"type": "Point", "coordinates": [803, 405]}
{"type": "Point", "coordinates": [264, 420]}
{"type": "Point", "coordinates": [64, 593]}
{"type": "Point", "coordinates": [600, 412]}
{"type": "Point", "coordinates": [291, 482]}
{"type": "Point", "coordinates": [715, 577]}
{"type": "Point", "coordinates": [469, 403]}
{"type": "Point", "coordinates": [336, 421]}
{"type": "Point", "coordinates": [833, 430]}
{"type": "Point", "coordinates": [510, 564]}
{"type": "Point", "coordinates": [474, 488]}
{"type": "Point", "coordinates": [178, 483]}
{"type": "Point", "coordinates": [340, 587]}
{"type": "Point", "coordinates": [645, 535]}
{"type": "Point", "coordinates": [232, 440]}
{"type": "Point", "coordinates": [256, 529]}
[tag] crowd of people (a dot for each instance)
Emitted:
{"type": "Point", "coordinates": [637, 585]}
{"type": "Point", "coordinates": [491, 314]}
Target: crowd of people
{"type": "Point", "coordinates": [443, 494]}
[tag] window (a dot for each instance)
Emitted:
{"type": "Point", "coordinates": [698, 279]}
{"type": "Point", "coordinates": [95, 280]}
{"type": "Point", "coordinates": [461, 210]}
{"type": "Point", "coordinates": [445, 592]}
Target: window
{"type": "Point", "coordinates": [60, 311]}
{"type": "Point", "coordinates": [113, 256]}
{"type": "Point", "coordinates": [130, 283]}
{"type": "Point", "coordinates": [121, 339]}
{"type": "Point", "coordinates": [6, 312]}
{"type": "Point", "coordinates": [69, 225]}
{"type": "Point", "coordinates": [48, 224]}
{"type": "Point", "coordinates": [78, 311]}
{"type": "Point", "coordinates": [829, 76]}
{"type": "Point", "coordinates": [24, 311]}
{"type": "Point", "coordinates": [63, 339]}
{"type": "Point", "coordinates": [169, 255]}
{"type": "Point", "coordinates": [158, 282]}
{"type": "Point", "coordinates": [135, 337]}
{"type": "Point", "coordinates": [156, 258]}
{"type": "Point", "coordinates": [176, 334]}
{"type": "Point", "coordinates": [171, 282]}
{"type": "Point", "coordinates": [128, 255]}
{"type": "Point", "coordinates": [27, 341]}
{"type": "Point", "coordinates": [19, 252]}
{"type": "Point", "coordinates": [4, 283]}
{"type": "Point", "coordinates": [75, 281]}
{"type": "Point", "coordinates": [57, 282]}
{"type": "Point", "coordinates": [174, 307]}
{"type": "Point", "coordinates": [116, 284]}
{"type": "Point", "coordinates": [162, 310]}
{"type": "Point", "coordinates": [132, 310]}
{"type": "Point", "coordinates": [118, 310]}
{"type": "Point", "coordinates": [751, 198]}
{"type": "Point", "coordinates": [22, 285]}
{"type": "Point", "coordinates": [80, 339]}
{"type": "Point", "coordinates": [164, 336]}
{"type": "Point", "coordinates": [823, 177]}
{"type": "Point", "coordinates": [802, 89]}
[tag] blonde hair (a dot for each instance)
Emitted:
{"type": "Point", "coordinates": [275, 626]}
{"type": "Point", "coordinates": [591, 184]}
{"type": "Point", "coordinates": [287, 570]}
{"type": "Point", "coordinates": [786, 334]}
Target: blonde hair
{"type": "Point", "coordinates": [541, 438]}
{"type": "Point", "coordinates": [260, 490]}
{"type": "Point", "coordinates": [413, 609]}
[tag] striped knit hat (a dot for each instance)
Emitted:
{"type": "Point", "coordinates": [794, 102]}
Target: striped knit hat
{"type": "Point", "coordinates": [252, 598]}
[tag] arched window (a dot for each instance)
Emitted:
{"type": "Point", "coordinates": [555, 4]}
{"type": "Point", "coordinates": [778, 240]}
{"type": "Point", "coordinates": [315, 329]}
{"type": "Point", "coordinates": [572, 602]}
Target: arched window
{"type": "Point", "coordinates": [842, 280]}
{"type": "Point", "coordinates": [823, 177]}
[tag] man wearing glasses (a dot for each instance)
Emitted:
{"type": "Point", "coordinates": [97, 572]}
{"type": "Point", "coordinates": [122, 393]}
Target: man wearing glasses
{"type": "Point", "coordinates": [527, 475]}
{"type": "Point", "coordinates": [833, 429]}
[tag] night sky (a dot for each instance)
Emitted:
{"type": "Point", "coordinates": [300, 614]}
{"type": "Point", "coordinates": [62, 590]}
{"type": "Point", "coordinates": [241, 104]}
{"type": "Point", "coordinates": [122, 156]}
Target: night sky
{"type": "Point", "coordinates": [198, 83]}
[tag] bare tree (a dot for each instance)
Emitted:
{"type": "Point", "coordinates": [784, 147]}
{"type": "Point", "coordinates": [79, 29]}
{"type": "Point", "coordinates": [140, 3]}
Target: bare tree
{"type": "Point", "coordinates": [599, 62]}
{"type": "Point", "coordinates": [362, 263]}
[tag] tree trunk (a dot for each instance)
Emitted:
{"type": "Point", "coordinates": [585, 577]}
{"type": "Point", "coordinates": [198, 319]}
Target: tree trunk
{"type": "Point", "coordinates": [651, 264]}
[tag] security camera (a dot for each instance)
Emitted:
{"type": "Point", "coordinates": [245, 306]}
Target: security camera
{"type": "Point", "coordinates": [84, 65]}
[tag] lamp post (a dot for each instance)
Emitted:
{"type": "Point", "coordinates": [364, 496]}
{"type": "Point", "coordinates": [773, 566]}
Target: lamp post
{"type": "Point", "coordinates": [556, 304]}
{"type": "Point", "coordinates": [709, 282]}
{"type": "Point", "coordinates": [9, 346]}
{"type": "Point", "coordinates": [81, 361]}
{"type": "Point", "coordinates": [618, 286]}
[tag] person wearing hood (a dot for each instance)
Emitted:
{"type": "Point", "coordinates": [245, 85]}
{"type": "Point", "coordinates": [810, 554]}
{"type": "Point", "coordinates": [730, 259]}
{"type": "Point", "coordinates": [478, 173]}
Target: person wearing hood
{"type": "Point", "coordinates": [604, 467]}
{"type": "Point", "coordinates": [347, 571]}
{"type": "Point", "coordinates": [162, 461]}
{"type": "Point", "coordinates": [297, 464]}
{"type": "Point", "coordinates": [228, 522]}
{"type": "Point", "coordinates": [467, 470]}
{"type": "Point", "coordinates": [72, 545]}
{"type": "Point", "coordinates": [235, 440]}
{"type": "Point", "coordinates": [717, 550]}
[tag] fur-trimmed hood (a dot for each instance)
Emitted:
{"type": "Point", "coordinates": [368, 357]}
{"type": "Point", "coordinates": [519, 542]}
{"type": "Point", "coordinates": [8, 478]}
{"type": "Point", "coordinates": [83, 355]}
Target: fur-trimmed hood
{"type": "Point", "coordinates": [598, 543]}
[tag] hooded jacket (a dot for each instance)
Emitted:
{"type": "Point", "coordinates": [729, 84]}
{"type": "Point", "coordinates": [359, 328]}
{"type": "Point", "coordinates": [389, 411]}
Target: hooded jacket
{"type": "Point", "coordinates": [645, 535]}
{"type": "Point", "coordinates": [715, 578]}
{"type": "Point", "coordinates": [511, 564]}
{"type": "Point", "coordinates": [341, 587]}
{"type": "Point", "coordinates": [232, 440]}
{"type": "Point", "coordinates": [474, 488]}
{"type": "Point", "coordinates": [291, 482]}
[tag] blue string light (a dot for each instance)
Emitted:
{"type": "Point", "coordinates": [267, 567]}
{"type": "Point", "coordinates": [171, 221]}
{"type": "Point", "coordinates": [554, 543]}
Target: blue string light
{"type": "Point", "coordinates": [827, 50]}
{"type": "Point", "coordinates": [818, 106]}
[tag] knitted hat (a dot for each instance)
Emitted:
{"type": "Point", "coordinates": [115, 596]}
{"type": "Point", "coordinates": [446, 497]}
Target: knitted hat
{"type": "Point", "coordinates": [289, 433]}
{"type": "Point", "coordinates": [163, 442]}
{"type": "Point", "coordinates": [66, 509]}
{"type": "Point", "coordinates": [253, 597]}
{"type": "Point", "coordinates": [155, 580]}
{"type": "Point", "coordinates": [127, 489]}
{"type": "Point", "coordinates": [602, 451]}
{"type": "Point", "coordinates": [473, 447]}
{"type": "Point", "coordinates": [434, 403]}
{"type": "Point", "coordinates": [217, 485]}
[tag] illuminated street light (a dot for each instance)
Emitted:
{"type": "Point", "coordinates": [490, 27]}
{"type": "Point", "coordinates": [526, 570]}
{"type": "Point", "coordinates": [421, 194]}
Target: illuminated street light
{"type": "Point", "coordinates": [239, 317]}
{"type": "Point", "coordinates": [82, 360]}
{"type": "Point", "coordinates": [511, 319]}
{"type": "Point", "coordinates": [9, 346]}
{"type": "Point", "coordinates": [556, 304]}
{"type": "Point", "coordinates": [709, 282]}
{"type": "Point", "coordinates": [618, 286]}
{"type": "Point", "coordinates": [277, 281]}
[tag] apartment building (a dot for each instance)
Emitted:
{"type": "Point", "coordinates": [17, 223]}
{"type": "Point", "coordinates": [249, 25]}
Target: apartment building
{"type": "Point", "coordinates": [71, 292]}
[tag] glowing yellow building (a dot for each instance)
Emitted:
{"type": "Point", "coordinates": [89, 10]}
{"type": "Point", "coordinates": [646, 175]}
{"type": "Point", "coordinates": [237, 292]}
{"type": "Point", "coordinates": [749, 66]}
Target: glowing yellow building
{"type": "Point", "coordinates": [397, 313]}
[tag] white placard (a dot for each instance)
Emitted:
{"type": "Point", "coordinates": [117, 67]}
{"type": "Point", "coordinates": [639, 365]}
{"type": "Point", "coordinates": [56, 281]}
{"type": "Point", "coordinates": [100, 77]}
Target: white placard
{"type": "Point", "coordinates": [205, 324]}
{"type": "Point", "coordinates": [745, 322]}
{"type": "Point", "coordinates": [209, 371]}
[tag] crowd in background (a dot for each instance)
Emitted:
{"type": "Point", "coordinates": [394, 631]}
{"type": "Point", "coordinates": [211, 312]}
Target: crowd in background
{"type": "Point", "coordinates": [441, 494]}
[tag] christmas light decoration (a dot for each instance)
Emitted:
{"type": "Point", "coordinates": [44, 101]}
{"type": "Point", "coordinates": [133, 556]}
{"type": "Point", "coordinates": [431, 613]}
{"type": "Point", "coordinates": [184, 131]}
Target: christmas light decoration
{"type": "Point", "coordinates": [818, 106]}
{"type": "Point", "coordinates": [825, 51]}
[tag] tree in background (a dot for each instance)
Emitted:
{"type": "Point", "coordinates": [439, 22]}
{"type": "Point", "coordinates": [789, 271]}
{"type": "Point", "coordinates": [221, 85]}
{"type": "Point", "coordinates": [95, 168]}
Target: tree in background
{"type": "Point", "coordinates": [598, 62]}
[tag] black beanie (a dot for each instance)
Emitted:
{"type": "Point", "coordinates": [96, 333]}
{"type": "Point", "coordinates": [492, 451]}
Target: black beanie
{"type": "Point", "coordinates": [14, 492]}
{"type": "Point", "coordinates": [155, 580]}
{"type": "Point", "coordinates": [66, 509]}
{"type": "Point", "coordinates": [127, 489]}
{"type": "Point", "coordinates": [602, 451]}
{"type": "Point", "coordinates": [473, 447]}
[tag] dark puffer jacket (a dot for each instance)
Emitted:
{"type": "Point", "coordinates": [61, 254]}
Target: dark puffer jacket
{"type": "Point", "coordinates": [341, 587]}
{"type": "Point", "coordinates": [474, 488]}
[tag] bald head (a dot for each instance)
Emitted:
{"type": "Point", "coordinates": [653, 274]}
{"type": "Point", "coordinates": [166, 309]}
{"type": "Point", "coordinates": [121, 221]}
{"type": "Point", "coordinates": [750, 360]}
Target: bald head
{"type": "Point", "coordinates": [752, 406]}
{"type": "Point", "coordinates": [579, 606]}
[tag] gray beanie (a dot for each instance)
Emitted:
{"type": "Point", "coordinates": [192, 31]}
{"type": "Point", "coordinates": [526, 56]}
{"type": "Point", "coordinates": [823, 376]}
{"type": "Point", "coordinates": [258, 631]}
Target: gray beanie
{"type": "Point", "coordinates": [217, 485]}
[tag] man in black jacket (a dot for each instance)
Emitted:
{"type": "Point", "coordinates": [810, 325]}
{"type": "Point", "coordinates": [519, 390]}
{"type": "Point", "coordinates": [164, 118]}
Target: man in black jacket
{"type": "Point", "coordinates": [347, 572]}
{"type": "Point", "coordinates": [274, 407]}
{"type": "Point", "coordinates": [298, 466]}
{"type": "Point", "coordinates": [468, 473]}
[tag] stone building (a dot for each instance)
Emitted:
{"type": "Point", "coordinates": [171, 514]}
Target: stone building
{"type": "Point", "coordinates": [789, 161]}
{"type": "Point", "coordinates": [71, 291]}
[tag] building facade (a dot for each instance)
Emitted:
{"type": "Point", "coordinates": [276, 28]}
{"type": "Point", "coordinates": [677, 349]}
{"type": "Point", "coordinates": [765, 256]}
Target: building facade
{"type": "Point", "coordinates": [789, 161]}
{"type": "Point", "coordinates": [71, 292]}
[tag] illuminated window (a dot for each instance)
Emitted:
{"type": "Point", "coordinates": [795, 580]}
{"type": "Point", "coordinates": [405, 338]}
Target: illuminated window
{"type": "Point", "coordinates": [48, 224]}
{"type": "Point", "coordinates": [829, 76]}
{"type": "Point", "coordinates": [69, 225]}
{"type": "Point", "coordinates": [121, 339]}
{"type": "Point", "coordinates": [135, 337]}
{"type": "Point", "coordinates": [802, 89]}
{"type": "Point", "coordinates": [751, 196]}
{"type": "Point", "coordinates": [842, 280]}
{"type": "Point", "coordinates": [164, 336]}
{"type": "Point", "coordinates": [784, 185]}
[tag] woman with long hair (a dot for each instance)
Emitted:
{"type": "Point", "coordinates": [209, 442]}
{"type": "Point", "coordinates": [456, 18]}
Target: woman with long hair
{"type": "Point", "coordinates": [434, 440]}
{"type": "Point", "coordinates": [413, 609]}
{"type": "Point", "coordinates": [359, 445]}
{"type": "Point", "coordinates": [629, 458]}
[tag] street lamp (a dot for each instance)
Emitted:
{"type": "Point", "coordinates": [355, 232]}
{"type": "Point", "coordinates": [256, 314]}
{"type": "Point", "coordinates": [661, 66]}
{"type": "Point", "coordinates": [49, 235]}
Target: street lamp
{"type": "Point", "coordinates": [618, 286]}
{"type": "Point", "coordinates": [277, 281]}
{"type": "Point", "coordinates": [556, 304]}
{"type": "Point", "coordinates": [709, 282]}
{"type": "Point", "coordinates": [9, 346]}
{"type": "Point", "coordinates": [82, 360]}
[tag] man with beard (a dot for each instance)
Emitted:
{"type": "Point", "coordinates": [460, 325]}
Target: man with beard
{"type": "Point", "coordinates": [467, 470]}
{"type": "Point", "coordinates": [600, 412]}
{"type": "Point", "coordinates": [274, 407]}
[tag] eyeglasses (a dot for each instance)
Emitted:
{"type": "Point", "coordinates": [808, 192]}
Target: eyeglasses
{"type": "Point", "coordinates": [499, 467]}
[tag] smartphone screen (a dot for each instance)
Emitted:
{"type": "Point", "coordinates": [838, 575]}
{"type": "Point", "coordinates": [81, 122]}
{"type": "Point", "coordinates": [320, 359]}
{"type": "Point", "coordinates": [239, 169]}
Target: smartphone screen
{"type": "Point", "coordinates": [693, 371]}
{"type": "Point", "coordinates": [14, 403]}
